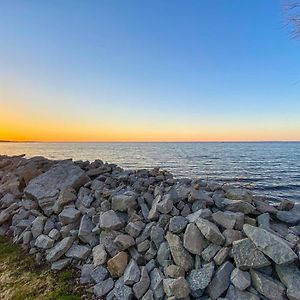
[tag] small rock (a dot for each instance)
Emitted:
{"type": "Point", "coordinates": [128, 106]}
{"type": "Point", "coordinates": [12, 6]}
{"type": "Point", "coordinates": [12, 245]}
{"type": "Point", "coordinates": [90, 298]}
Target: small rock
{"type": "Point", "coordinates": [116, 265]}
{"type": "Point", "coordinates": [124, 241]}
{"type": "Point", "coordinates": [59, 249]}
{"type": "Point", "coordinates": [99, 255]}
{"type": "Point", "coordinates": [98, 274]}
{"type": "Point", "coordinates": [123, 292]}
{"type": "Point", "coordinates": [102, 288]}
{"type": "Point", "coordinates": [142, 286]}
{"type": "Point", "coordinates": [177, 224]}
{"type": "Point", "coordinates": [132, 273]}
{"type": "Point", "coordinates": [44, 242]}
{"type": "Point", "coordinates": [79, 252]}
{"type": "Point", "coordinates": [124, 201]}
{"type": "Point", "coordinates": [69, 215]}
{"type": "Point", "coordinates": [110, 220]}
{"type": "Point", "coordinates": [178, 287]}
{"type": "Point", "coordinates": [193, 240]}
{"type": "Point", "coordinates": [210, 251]}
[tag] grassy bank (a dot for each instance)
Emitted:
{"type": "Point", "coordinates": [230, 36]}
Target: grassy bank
{"type": "Point", "coordinates": [22, 278]}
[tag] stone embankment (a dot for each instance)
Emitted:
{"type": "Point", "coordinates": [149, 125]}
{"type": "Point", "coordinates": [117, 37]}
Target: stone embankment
{"type": "Point", "coordinates": [141, 234]}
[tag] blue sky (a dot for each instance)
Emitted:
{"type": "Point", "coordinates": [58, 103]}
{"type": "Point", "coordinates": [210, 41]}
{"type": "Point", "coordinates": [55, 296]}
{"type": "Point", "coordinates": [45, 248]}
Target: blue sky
{"type": "Point", "coordinates": [138, 68]}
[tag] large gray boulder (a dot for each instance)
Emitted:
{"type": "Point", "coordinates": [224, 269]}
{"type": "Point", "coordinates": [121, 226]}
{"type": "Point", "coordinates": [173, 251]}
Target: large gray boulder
{"type": "Point", "coordinates": [268, 287]}
{"type": "Point", "coordinates": [270, 244]}
{"type": "Point", "coordinates": [289, 275]}
{"type": "Point", "coordinates": [46, 187]}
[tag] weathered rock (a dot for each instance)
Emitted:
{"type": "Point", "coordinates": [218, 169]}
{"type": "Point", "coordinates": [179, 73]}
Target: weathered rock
{"type": "Point", "coordinates": [238, 193]}
{"type": "Point", "coordinates": [289, 275]}
{"type": "Point", "coordinates": [59, 249]}
{"type": "Point", "coordinates": [140, 288]}
{"type": "Point", "coordinates": [201, 213]}
{"type": "Point", "coordinates": [99, 255]}
{"type": "Point", "coordinates": [132, 273]}
{"type": "Point", "coordinates": [231, 236]}
{"type": "Point", "coordinates": [210, 251]}
{"type": "Point", "coordinates": [156, 283]}
{"type": "Point", "coordinates": [116, 265]}
{"type": "Point", "coordinates": [239, 206]}
{"type": "Point", "coordinates": [85, 276]}
{"type": "Point", "coordinates": [178, 287]}
{"type": "Point", "coordinates": [123, 292]}
{"type": "Point", "coordinates": [37, 226]}
{"type": "Point", "coordinates": [79, 252]}
{"type": "Point", "coordinates": [122, 202]}
{"type": "Point", "coordinates": [69, 215]}
{"type": "Point", "coordinates": [246, 255]}
{"type": "Point", "coordinates": [240, 279]}
{"type": "Point", "coordinates": [85, 233]}
{"type": "Point", "coordinates": [210, 231]}
{"type": "Point", "coordinates": [177, 224]}
{"type": "Point", "coordinates": [134, 228]}
{"type": "Point", "coordinates": [98, 274]}
{"type": "Point", "coordinates": [236, 294]}
{"type": "Point", "coordinates": [124, 241]}
{"type": "Point", "coordinates": [193, 240]}
{"type": "Point", "coordinates": [46, 187]}
{"type": "Point", "coordinates": [291, 216]}
{"type": "Point", "coordinates": [44, 242]}
{"type": "Point", "coordinates": [60, 264]}
{"type": "Point", "coordinates": [103, 288]}
{"type": "Point", "coordinates": [163, 254]}
{"type": "Point", "coordinates": [174, 271]}
{"type": "Point", "coordinates": [270, 244]}
{"type": "Point", "coordinates": [165, 205]}
{"type": "Point", "coordinates": [148, 295]}
{"type": "Point", "coordinates": [221, 256]}
{"type": "Point", "coordinates": [180, 256]}
{"type": "Point", "coordinates": [157, 235]}
{"type": "Point", "coordinates": [266, 286]}
{"type": "Point", "coordinates": [110, 220]}
{"type": "Point", "coordinates": [7, 214]}
{"type": "Point", "coordinates": [221, 281]}
{"type": "Point", "coordinates": [199, 279]}
{"type": "Point", "coordinates": [228, 219]}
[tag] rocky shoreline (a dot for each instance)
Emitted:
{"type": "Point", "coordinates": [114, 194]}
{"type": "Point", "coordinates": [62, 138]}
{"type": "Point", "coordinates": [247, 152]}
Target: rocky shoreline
{"type": "Point", "coordinates": [141, 234]}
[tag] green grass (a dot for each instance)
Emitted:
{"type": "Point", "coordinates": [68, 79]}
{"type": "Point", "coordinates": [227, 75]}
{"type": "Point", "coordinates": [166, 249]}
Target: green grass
{"type": "Point", "coordinates": [22, 279]}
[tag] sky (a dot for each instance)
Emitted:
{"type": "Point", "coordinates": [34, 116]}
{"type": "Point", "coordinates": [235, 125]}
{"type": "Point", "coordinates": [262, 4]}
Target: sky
{"type": "Point", "coordinates": [159, 70]}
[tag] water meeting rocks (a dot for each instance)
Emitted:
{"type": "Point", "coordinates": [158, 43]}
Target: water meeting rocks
{"type": "Point", "coordinates": [143, 234]}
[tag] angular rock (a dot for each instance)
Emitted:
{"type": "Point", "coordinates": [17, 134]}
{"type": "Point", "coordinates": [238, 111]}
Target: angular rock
{"type": "Point", "coordinates": [163, 254]}
{"type": "Point", "coordinates": [174, 271]}
{"type": "Point", "coordinates": [156, 284]}
{"type": "Point", "coordinates": [69, 215]}
{"type": "Point", "coordinates": [46, 187]}
{"type": "Point", "coordinates": [60, 264]}
{"type": "Point", "coordinates": [201, 213]}
{"type": "Point", "coordinates": [222, 255]}
{"type": "Point", "coordinates": [104, 287]}
{"type": "Point", "coordinates": [134, 228]}
{"type": "Point", "coordinates": [44, 242]}
{"type": "Point", "coordinates": [7, 214]}
{"type": "Point", "coordinates": [140, 288]}
{"type": "Point", "coordinates": [157, 235]}
{"type": "Point", "coordinates": [240, 279]}
{"type": "Point", "coordinates": [116, 265]}
{"type": "Point", "coordinates": [85, 233]}
{"type": "Point", "coordinates": [267, 286]}
{"type": "Point", "coordinates": [193, 240]}
{"type": "Point", "coordinates": [221, 281]}
{"type": "Point", "coordinates": [210, 231]}
{"type": "Point", "coordinates": [78, 252]}
{"type": "Point", "coordinates": [200, 278]}
{"type": "Point", "coordinates": [124, 241]}
{"type": "Point", "coordinates": [210, 251]}
{"type": "Point", "coordinates": [123, 292]}
{"type": "Point", "coordinates": [180, 256]}
{"type": "Point", "coordinates": [246, 255]}
{"type": "Point", "coordinates": [236, 294]}
{"type": "Point", "coordinates": [59, 249]}
{"type": "Point", "coordinates": [239, 206]}
{"type": "Point", "coordinates": [270, 244]}
{"type": "Point", "coordinates": [132, 273]}
{"type": "Point", "coordinates": [122, 202]}
{"type": "Point", "coordinates": [289, 275]}
{"type": "Point", "coordinates": [99, 255]}
{"type": "Point", "coordinates": [165, 205]}
{"type": "Point", "coordinates": [177, 224]}
{"type": "Point", "coordinates": [110, 220]}
{"type": "Point", "coordinates": [98, 274]}
{"type": "Point", "coordinates": [37, 226]}
{"type": "Point", "coordinates": [178, 287]}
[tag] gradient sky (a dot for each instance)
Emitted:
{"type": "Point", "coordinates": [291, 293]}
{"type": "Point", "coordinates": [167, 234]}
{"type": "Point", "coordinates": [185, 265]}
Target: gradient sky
{"type": "Point", "coordinates": [141, 70]}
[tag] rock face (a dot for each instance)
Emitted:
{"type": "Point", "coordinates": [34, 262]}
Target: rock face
{"type": "Point", "coordinates": [46, 187]}
{"type": "Point", "coordinates": [143, 234]}
{"type": "Point", "coordinates": [270, 244]}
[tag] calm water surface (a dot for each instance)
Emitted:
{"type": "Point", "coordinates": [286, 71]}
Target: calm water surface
{"type": "Point", "coordinates": [271, 169]}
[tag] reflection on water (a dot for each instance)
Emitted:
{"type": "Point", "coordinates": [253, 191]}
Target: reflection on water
{"type": "Point", "coordinates": [272, 169]}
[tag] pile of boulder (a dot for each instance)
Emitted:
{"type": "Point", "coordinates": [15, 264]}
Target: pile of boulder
{"type": "Point", "coordinates": [142, 234]}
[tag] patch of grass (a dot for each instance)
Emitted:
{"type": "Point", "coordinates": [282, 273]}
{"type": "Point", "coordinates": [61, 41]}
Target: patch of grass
{"type": "Point", "coordinates": [22, 279]}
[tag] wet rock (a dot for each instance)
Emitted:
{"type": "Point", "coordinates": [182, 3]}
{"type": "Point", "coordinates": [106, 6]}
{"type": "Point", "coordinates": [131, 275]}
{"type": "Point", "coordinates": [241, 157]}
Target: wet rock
{"type": "Point", "coordinates": [116, 265]}
{"type": "Point", "coordinates": [266, 286]}
{"type": "Point", "coordinates": [246, 255]}
{"type": "Point", "coordinates": [270, 244]}
{"type": "Point", "coordinates": [210, 231]}
{"type": "Point", "coordinates": [221, 281]}
{"type": "Point", "coordinates": [180, 256]}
